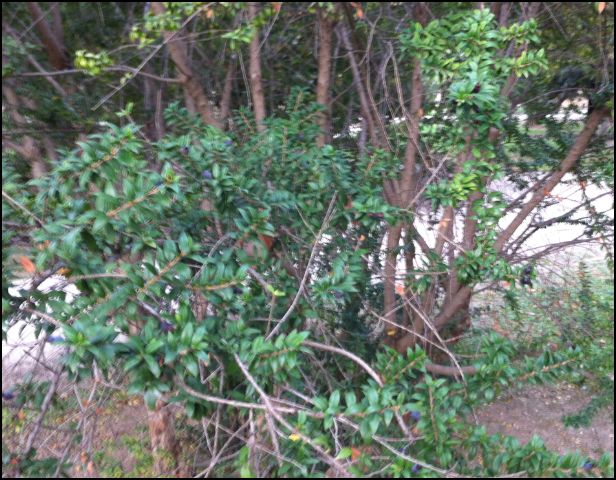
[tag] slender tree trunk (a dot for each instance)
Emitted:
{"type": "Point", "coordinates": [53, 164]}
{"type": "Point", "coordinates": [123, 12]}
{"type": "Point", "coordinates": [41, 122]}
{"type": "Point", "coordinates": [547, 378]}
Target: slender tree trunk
{"type": "Point", "coordinates": [364, 103]}
{"type": "Point", "coordinates": [227, 90]}
{"type": "Point", "coordinates": [192, 87]}
{"type": "Point", "coordinates": [495, 8]}
{"type": "Point", "coordinates": [325, 26]}
{"type": "Point", "coordinates": [461, 300]}
{"type": "Point", "coordinates": [409, 260]}
{"type": "Point", "coordinates": [407, 181]}
{"type": "Point", "coordinates": [152, 104]}
{"type": "Point", "coordinates": [189, 103]}
{"type": "Point", "coordinates": [52, 41]}
{"type": "Point", "coordinates": [56, 24]}
{"type": "Point", "coordinates": [389, 273]}
{"type": "Point", "coordinates": [408, 177]}
{"type": "Point", "coordinates": [462, 316]}
{"type": "Point", "coordinates": [256, 83]}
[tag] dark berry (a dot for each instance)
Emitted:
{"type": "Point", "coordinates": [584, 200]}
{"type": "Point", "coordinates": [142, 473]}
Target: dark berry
{"type": "Point", "coordinates": [228, 143]}
{"type": "Point", "coordinates": [416, 416]}
{"type": "Point", "coordinates": [588, 466]}
{"type": "Point", "coordinates": [207, 175]}
{"type": "Point", "coordinates": [416, 468]}
{"type": "Point", "coordinates": [55, 339]}
{"type": "Point", "coordinates": [8, 395]}
{"type": "Point", "coordinates": [166, 326]}
{"type": "Point", "coordinates": [338, 295]}
{"type": "Point", "coordinates": [184, 150]}
{"type": "Point", "coordinates": [238, 290]}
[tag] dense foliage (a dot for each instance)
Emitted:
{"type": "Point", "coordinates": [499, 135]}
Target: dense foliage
{"type": "Point", "coordinates": [236, 248]}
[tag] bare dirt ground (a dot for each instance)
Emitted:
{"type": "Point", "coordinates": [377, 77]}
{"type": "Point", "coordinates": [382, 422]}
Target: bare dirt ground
{"type": "Point", "coordinates": [539, 410]}
{"type": "Point", "coordinates": [522, 413]}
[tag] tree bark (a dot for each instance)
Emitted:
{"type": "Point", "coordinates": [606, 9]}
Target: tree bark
{"type": "Point", "coordinates": [389, 273]}
{"type": "Point", "coordinates": [56, 24]}
{"type": "Point", "coordinates": [405, 186]}
{"type": "Point", "coordinates": [325, 26]}
{"type": "Point", "coordinates": [152, 104]}
{"type": "Point", "coordinates": [162, 436]}
{"type": "Point", "coordinates": [227, 90]}
{"type": "Point", "coordinates": [256, 84]}
{"type": "Point", "coordinates": [364, 103]}
{"type": "Point", "coordinates": [458, 301]}
{"type": "Point", "coordinates": [408, 177]}
{"type": "Point", "coordinates": [52, 41]}
{"type": "Point", "coordinates": [503, 13]}
{"type": "Point", "coordinates": [409, 261]}
{"type": "Point", "coordinates": [192, 87]}
{"type": "Point", "coordinates": [470, 224]}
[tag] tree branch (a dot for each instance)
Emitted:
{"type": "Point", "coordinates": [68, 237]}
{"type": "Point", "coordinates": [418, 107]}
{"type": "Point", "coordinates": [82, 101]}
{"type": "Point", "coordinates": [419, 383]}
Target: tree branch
{"type": "Point", "coordinates": [574, 154]}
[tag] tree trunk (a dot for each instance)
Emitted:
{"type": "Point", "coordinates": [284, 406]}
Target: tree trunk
{"type": "Point", "coordinates": [52, 41]}
{"type": "Point", "coordinates": [152, 104]}
{"type": "Point", "coordinates": [225, 100]}
{"type": "Point", "coordinates": [256, 84]}
{"type": "Point", "coordinates": [192, 87]}
{"type": "Point", "coordinates": [364, 102]}
{"type": "Point", "coordinates": [409, 261]}
{"type": "Point", "coordinates": [389, 277]}
{"type": "Point", "coordinates": [162, 437]}
{"type": "Point", "coordinates": [325, 26]}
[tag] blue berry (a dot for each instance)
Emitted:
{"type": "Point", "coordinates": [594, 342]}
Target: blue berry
{"type": "Point", "coordinates": [228, 143]}
{"type": "Point", "coordinates": [185, 150]}
{"type": "Point", "coordinates": [207, 175]}
{"type": "Point", "coordinates": [8, 394]}
{"type": "Point", "coordinates": [588, 466]}
{"type": "Point", "coordinates": [55, 339]}
{"type": "Point", "coordinates": [416, 416]}
{"type": "Point", "coordinates": [416, 468]}
{"type": "Point", "coordinates": [166, 326]}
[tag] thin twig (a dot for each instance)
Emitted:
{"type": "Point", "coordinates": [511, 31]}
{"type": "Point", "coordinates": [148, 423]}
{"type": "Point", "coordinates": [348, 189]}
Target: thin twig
{"type": "Point", "coordinates": [149, 57]}
{"type": "Point", "coordinates": [335, 464]}
{"type": "Point", "coordinates": [45, 406]}
{"type": "Point", "coordinates": [20, 206]}
{"type": "Point", "coordinates": [306, 271]}
{"type": "Point", "coordinates": [347, 354]}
